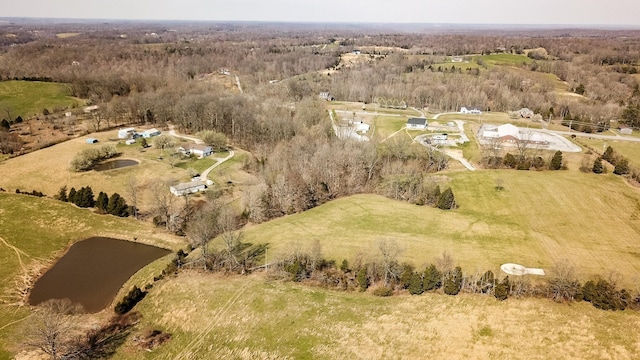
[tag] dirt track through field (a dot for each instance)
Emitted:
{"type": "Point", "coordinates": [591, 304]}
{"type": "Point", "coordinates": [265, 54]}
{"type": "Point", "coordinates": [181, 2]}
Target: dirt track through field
{"type": "Point", "coordinates": [197, 342]}
{"type": "Point", "coordinates": [17, 251]}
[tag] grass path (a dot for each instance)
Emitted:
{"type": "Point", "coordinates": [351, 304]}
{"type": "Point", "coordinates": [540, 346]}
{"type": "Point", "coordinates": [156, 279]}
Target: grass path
{"type": "Point", "coordinates": [17, 251]}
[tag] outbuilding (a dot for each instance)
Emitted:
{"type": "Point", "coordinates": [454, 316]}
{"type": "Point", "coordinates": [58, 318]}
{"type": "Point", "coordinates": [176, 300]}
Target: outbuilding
{"type": "Point", "coordinates": [150, 133]}
{"type": "Point", "coordinates": [126, 133]}
{"type": "Point", "coordinates": [417, 123]}
{"type": "Point", "coordinates": [196, 149]}
{"type": "Point", "coordinates": [188, 188]}
{"type": "Point", "coordinates": [91, 140]}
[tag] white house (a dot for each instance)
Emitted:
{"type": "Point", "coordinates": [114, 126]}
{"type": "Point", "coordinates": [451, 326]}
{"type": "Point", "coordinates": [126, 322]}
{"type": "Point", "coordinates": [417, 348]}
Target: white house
{"type": "Point", "coordinates": [470, 110]}
{"type": "Point", "coordinates": [417, 123]}
{"type": "Point", "coordinates": [188, 188]}
{"type": "Point", "coordinates": [196, 149]}
{"type": "Point", "coordinates": [150, 133]}
{"type": "Point", "coordinates": [126, 133]}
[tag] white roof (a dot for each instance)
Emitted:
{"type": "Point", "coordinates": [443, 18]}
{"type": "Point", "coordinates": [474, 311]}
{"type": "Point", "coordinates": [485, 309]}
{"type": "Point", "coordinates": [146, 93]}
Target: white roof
{"type": "Point", "coordinates": [508, 129]}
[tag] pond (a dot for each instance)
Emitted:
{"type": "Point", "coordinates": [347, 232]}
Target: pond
{"type": "Point", "coordinates": [92, 272]}
{"type": "Point", "coordinates": [115, 164]}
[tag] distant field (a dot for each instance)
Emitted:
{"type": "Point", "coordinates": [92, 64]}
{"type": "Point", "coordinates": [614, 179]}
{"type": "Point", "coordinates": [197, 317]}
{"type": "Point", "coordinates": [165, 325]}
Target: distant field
{"type": "Point", "coordinates": [628, 149]}
{"type": "Point", "coordinates": [67, 35]}
{"type": "Point", "coordinates": [252, 318]}
{"type": "Point", "coordinates": [503, 59]}
{"type": "Point", "coordinates": [33, 230]}
{"type": "Point", "coordinates": [540, 219]}
{"type": "Point", "coordinates": [29, 98]}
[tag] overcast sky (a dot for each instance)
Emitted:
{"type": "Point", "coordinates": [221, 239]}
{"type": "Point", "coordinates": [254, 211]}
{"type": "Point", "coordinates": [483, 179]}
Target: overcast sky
{"type": "Point", "coordinates": [583, 12]}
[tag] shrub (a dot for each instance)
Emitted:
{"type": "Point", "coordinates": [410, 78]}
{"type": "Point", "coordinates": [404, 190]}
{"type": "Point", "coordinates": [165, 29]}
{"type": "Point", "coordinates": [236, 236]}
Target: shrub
{"type": "Point", "coordinates": [500, 292]}
{"type": "Point", "coordinates": [453, 283]}
{"type": "Point", "coordinates": [447, 200]}
{"type": "Point", "coordinates": [510, 161]}
{"type": "Point", "coordinates": [416, 286]}
{"type": "Point", "coordinates": [362, 279]}
{"type": "Point", "coordinates": [556, 161]}
{"type": "Point", "coordinates": [597, 166]}
{"type": "Point", "coordinates": [622, 167]}
{"type": "Point", "coordinates": [130, 300]}
{"type": "Point", "coordinates": [383, 291]}
{"type": "Point", "coordinates": [432, 278]}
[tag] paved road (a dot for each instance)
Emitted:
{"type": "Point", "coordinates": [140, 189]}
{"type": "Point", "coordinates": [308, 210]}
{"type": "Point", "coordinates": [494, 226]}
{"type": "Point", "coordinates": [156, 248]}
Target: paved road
{"type": "Point", "coordinates": [173, 132]}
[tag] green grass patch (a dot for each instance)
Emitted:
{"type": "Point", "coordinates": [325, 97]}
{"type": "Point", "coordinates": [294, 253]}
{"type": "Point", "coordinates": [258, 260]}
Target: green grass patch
{"type": "Point", "coordinates": [198, 165]}
{"type": "Point", "coordinates": [628, 149]}
{"type": "Point", "coordinates": [384, 126]}
{"type": "Point", "coordinates": [30, 98]}
{"type": "Point", "coordinates": [503, 59]}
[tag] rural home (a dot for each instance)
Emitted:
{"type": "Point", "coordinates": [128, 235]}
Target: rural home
{"type": "Point", "coordinates": [417, 123]}
{"type": "Point", "coordinates": [150, 133]}
{"type": "Point", "coordinates": [625, 130]}
{"type": "Point", "coordinates": [189, 187]}
{"type": "Point", "coordinates": [126, 133]}
{"type": "Point", "coordinates": [326, 96]}
{"type": "Point", "coordinates": [470, 110]}
{"type": "Point", "coordinates": [196, 149]}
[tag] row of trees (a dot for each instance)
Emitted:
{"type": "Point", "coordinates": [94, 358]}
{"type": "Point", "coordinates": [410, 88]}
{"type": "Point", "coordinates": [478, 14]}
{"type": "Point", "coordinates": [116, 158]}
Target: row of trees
{"type": "Point", "coordinates": [88, 158]}
{"type": "Point", "coordinates": [84, 197]}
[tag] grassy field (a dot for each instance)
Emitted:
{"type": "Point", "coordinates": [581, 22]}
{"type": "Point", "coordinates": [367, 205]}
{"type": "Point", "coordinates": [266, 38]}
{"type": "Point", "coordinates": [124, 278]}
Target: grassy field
{"type": "Point", "coordinates": [34, 230]}
{"type": "Point", "coordinates": [29, 98]}
{"type": "Point", "coordinates": [538, 220]}
{"type": "Point", "coordinates": [250, 318]}
{"type": "Point", "coordinates": [67, 35]}
{"type": "Point", "coordinates": [503, 59]}
{"type": "Point", "coordinates": [630, 150]}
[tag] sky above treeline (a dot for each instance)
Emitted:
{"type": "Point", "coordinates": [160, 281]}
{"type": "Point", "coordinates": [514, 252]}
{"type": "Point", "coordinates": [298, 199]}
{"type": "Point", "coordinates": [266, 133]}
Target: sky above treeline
{"type": "Point", "coordinates": [562, 12]}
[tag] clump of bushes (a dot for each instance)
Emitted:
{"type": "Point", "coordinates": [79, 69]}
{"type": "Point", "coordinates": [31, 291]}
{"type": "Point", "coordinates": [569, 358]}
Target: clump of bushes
{"type": "Point", "coordinates": [87, 158]}
{"type": "Point", "coordinates": [129, 301]}
{"type": "Point", "coordinates": [32, 193]}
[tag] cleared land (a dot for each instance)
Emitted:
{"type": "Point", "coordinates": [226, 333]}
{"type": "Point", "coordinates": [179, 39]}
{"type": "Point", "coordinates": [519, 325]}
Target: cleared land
{"type": "Point", "coordinates": [30, 98]}
{"type": "Point", "coordinates": [250, 317]}
{"type": "Point", "coordinates": [539, 219]}
{"type": "Point", "coordinates": [33, 231]}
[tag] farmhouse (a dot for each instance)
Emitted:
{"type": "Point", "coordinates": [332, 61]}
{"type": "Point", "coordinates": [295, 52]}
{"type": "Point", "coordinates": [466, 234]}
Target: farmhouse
{"type": "Point", "coordinates": [417, 123]}
{"type": "Point", "coordinates": [470, 110]}
{"type": "Point", "coordinates": [625, 130]}
{"type": "Point", "coordinates": [196, 149]}
{"type": "Point", "coordinates": [150, 133]}
{"type": "Point", "coordinates": [126, 133]}
{"type": "Point", "coordinates": [188, 188]}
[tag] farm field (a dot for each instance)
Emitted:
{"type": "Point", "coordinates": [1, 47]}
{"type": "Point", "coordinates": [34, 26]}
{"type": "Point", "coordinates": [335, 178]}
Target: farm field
{"type": "Point", "coordinates": [538, 220]}
{"type": "Point", "coordinates": [30, 98]}
{"type": "Point", "coordinates": [52, 227]}
{"type": "Point", "coordinates": [250, 317]}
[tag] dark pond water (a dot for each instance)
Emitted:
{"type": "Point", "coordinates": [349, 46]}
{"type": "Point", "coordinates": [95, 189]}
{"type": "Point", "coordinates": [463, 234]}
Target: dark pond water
{"type": "Point", "coordinates": [92, 272]}
{"type": "Point", "coordinates": [115, 164]}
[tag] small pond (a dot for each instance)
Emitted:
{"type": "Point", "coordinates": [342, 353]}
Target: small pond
{"type": "Point", "coordinates": [115, 164]}
{"type": "Point", "coordinates": [92, 272]}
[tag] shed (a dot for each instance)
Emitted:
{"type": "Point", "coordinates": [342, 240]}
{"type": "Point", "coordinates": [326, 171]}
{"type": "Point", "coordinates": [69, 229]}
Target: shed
{"type": "Point", "coordinates": [126, 132]}
{"type": "Point", "coordinates": [150, 133]}
{"type": "Point", "coordinates": [625, 130]}
{"type": "Point", "coordinates": [91, 140]}
{"type": "Point", "coordinates": [417, 123]}
{"type": "Point", "coordinates": [188, 188]}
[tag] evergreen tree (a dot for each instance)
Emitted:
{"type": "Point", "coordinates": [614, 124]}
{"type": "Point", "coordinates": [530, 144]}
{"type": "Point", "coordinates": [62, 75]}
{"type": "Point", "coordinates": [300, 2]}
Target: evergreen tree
{"type": "Point", "coordinates": [62, 194]}
{"type": "Point", "coordinates": [432, 278]}
{"type": "Point", "coordinates": [453, 283]}
{"type": "Point", "coordinates": [344, 266]}
{"type": "Point", "coordinates": [102, 202]}
{"type": "Point", "coordinates": [4, 125]}
{"type": "Point", "coordinates": [556, 161]}
{"type": "Point", "coordinates": [72, 195]}
{"type": "Point", "coordinates": [597, 166]}
{"type": "Point", "coordinates": [609, 155]}
{"type": "Point", "coordinates": [84, 197]}
{"type": "Point", "coordinates": [415, 284]}
{"type": "Point", "coordinates": [362, 279]}
{"type": "Point", "coordinates": [622, 167]}
{"type": "Point", "coordinates": [510, 161]}
{"type": "Point", "coordinates": [117, 206]}
{"type": "Point", "coordinates": [446, 201]}
{"type": "Point", "coordinates": [500, 292]}
{"type": "Point", "coordinates": [405, 277]}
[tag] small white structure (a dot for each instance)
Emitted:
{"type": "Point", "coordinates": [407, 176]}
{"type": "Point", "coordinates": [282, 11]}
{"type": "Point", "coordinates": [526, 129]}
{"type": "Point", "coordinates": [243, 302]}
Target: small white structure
{"type": "Point", "coordinates": [150, 133]}
{"type": "Point", "coordinates": [519, 270]}
{"type": "Point", "coordinates": [196, 149]}
{"type": "Point", "coordinates": [470, 110]}
{"type": "Point", "coordinates": [362, 127]}
{"type": "Point", "coordinates": [88, 109]}
{"type": "Point", "coordinates": [126, 133]}
{"type": "Point", "coordinates": [130, 142]}
{"type": "Point", "coordinates": [326, 96]}
{"type": "Point", "coordinates": [625, 130]}
{"type": "Point", "coordinates": [68, 114]}
{"type": "Point", "coordinates": [456, 59]}
{"type": "Point", "coordinates": [356, 52]}
{"type": "Point", "coordinates": [188, 188]}
{"type": "Point", "coordinates": [525, 113]}
{"type": "Point", "coordinates": [440, 137]}
{"type": "Point", "coordinates": [417, 123]}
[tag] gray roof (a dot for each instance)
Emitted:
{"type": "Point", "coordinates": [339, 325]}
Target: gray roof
{"type": "Point", "coordinates": [417, 121]}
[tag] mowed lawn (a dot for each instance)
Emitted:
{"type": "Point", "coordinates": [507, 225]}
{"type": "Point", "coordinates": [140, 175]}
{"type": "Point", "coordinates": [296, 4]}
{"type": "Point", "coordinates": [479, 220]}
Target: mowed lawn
{"type": "Point", "coordinates": [29, 98]}
{"type": "Point", "coordinates": [34, 230]}
{"type": "Point", "coordinates": [250, 317]}
{"type": "Point", "coordinates": [538, 220]}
